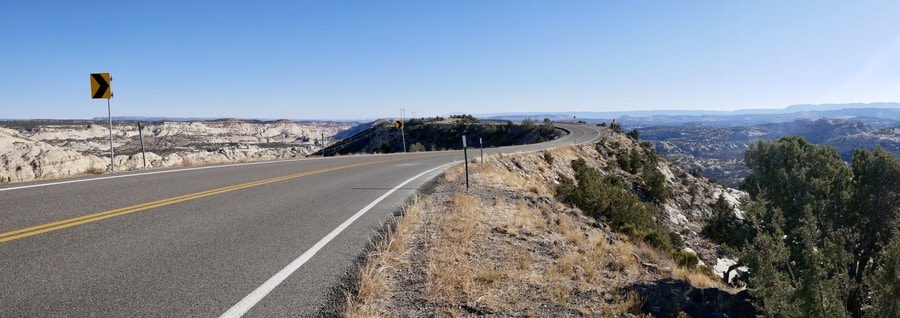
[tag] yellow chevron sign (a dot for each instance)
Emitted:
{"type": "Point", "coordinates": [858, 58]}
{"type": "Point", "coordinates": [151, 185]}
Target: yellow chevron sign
{"type": "Point", "coordinates": [100, 88]}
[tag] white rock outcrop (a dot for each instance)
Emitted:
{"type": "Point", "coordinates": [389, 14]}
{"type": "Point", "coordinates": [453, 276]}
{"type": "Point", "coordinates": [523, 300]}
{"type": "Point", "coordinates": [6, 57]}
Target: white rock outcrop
{"type": "Point", "coordinates": [24, 160]}
{"type": "Point", "coordinates": [57, 150]}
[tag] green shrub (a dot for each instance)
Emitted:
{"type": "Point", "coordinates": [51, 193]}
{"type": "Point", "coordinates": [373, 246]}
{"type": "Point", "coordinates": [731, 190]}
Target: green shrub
{"type": "Point", "coordinates": [548, 157]}
{"type": "Point", "coordinates": [677, 241]}
{"type": "Point", "coordinates": [821, 230]}
{"type": "Point", "coordinates": [615, 127]}
{"type": "Point", "coordinates": [417, 147]}
{"type": "Point", "coordinates": [655, 184]}
{"type": "Point", "coordinates": [466, 118]}
{"type": "Point", "coordinates": [629, 229]}
{"type": "Point", "coordinates": [609, 198]}
{"type": "Point", "coordinates": [658, 240]}
{"type": "Point", "coordinates": [685, 259]}
{"type": "Point", "coordinates": [707, 270]}
{"type": "Point", "coordinates": [724, 227]}
{"type": "Point", "coordinates": [623, 161]}
{"type": "Point", "coordinates": [529, 124]}
{"type": "Point", "coordinates": [605, 197]}
{"type": "Point", "coordinates": [634, 134]}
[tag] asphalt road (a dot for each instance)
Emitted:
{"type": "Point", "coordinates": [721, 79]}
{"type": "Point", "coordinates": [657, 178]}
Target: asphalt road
{"type": "Point", "coordinates": [259, 239]}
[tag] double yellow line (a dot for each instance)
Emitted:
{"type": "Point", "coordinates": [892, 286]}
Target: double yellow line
{"type": "Point", "coordinates": [58, 225]}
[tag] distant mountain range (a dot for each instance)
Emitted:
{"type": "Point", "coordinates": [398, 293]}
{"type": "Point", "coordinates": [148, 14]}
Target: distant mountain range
{"type": "Point", "coordinates": [719, 151]}
{"type": "Point", "coordinates": [877, 114]}
{"type": "Point", "coordinates": [715, 141]}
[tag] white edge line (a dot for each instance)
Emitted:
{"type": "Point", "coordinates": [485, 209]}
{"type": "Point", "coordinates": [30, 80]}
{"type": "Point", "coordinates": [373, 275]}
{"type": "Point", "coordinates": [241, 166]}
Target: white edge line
{"type": "Point", "coordinates": [260, 292]}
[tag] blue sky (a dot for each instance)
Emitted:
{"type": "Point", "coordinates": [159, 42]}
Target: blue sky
{"type": "Point", "coordinates": [368, 59]}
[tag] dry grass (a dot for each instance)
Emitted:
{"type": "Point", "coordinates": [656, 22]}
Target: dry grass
{"type": "Point", "coordinates": [94, 170]}
{"type": "Point", "coordinates": [188, 162]}
{"type": "Point", "coordinates": [484, 251]}
{"type": "Point", "coordinates": [454, 273]}
{"type": "Point", "coordinates": [697, 278]}
{"type": "Point", "coordinates": [453, 174]}
{"type": "Point", "coordinates": [375, 284]}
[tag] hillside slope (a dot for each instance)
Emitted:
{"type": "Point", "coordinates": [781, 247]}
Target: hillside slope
{"type": "Point", "coordinates": [435, 134]}
{"type": "Point", "coordinates": [509, 247]}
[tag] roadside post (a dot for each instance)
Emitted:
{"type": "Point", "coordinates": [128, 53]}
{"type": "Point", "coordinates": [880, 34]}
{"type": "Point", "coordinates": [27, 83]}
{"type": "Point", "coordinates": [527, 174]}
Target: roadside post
{"type": "Point", "coordinates": [481, 144]}
{"type": "Point", "coordinates": [398, 124]}
{"type": "Point", "coordinates": [466, 158]}
{"type": "Point", "coordinates": [101, 89]}
{"type": "Point", "coordinates": [143, 153]}
{"type": "Point", "coordinates": [402, 134]}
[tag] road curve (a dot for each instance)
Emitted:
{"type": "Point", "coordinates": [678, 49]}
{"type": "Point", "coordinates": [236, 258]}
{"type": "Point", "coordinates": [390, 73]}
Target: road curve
{"type": "Point", "coordinates": [202, 241]}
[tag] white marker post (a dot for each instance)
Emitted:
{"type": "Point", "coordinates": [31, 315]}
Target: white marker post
{"type": "Point", "coordinates": [481, 144]}
{"type": "Point", "coordinates": [466, 158]}
{"type": "Point", "coordinates": [574, 139]}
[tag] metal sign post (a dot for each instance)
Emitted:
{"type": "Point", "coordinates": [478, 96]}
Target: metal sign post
{"type": "Point", "coordinates": [100, 89]}
{"type": "Point", "coordinates": [403, 139]}
{"type": "Point", "coordinates": [398, 124]}
{"type": "Point", "coordinates": [466, 158]}
{"type": "Point", "coordinates": [143, 153]}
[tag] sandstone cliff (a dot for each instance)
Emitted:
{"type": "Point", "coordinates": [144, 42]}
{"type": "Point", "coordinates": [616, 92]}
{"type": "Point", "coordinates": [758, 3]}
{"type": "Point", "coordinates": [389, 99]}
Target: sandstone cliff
{"type": "Point", "coordinates": [36, 150]}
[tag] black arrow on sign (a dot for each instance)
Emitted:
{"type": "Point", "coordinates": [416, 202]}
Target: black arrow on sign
{"type": "Point", "coordinates": [104, 86]}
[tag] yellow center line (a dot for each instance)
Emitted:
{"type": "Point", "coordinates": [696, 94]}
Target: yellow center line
{"type": "Point", "coordinates": [58, 225]}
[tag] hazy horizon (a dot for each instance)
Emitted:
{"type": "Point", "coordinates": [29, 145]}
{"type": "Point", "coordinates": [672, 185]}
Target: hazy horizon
{"type": "Point", "coordinates": [824, 107]}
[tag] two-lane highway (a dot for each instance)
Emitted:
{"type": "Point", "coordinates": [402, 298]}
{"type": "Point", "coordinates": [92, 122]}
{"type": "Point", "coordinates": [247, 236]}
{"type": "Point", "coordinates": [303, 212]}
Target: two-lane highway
{"type": "Point", "coordinates": [261, 239]}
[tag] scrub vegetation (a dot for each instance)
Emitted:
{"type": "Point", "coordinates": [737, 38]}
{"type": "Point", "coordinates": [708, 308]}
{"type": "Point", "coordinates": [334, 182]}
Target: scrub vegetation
{"type": "Point", "coordinates": [438, 133]}
{"type": "Point", "coordinates": [542, 234]}
{"type": "Point", "coordinates": [820, 236]}
{"type": "Point", "coordinates": [589, 231]}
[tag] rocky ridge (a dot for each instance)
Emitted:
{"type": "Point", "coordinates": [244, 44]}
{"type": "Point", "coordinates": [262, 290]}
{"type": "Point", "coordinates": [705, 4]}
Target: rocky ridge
{"type": "Point", "coordinates": [36, 150]}
{"type": "Point", "coordinates": [433, 134]}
